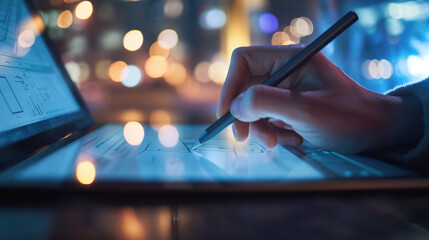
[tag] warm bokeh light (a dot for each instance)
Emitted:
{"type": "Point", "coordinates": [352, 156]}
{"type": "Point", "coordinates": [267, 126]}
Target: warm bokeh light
{"type": "Point", "coordinates": [190, 89]}
{"type": "Point", "coordinates": [65, 19]}
{"type": "Point", "coordinates": [155, 66]}
{"type": "Point", "coordinates": [303, 25]}
{"type": "Point", "coordinates": [131, 226]}
{"type": "Point", "coordinates": [279, 38]}
{"type": "Point", "coordinates": [176, 74]}
{"type": "Point", "coordinates": [201, 71]}
{"type": "Point", "coordinates": [85, 171]}
{"type": "Point", "coordinates": [131, 115]}
{"type": "Point", "coordinates": [133, 133]}
{"type": "Point", "coordinates": [115, 70]}
{"type": "Point", "coordinates": [84, 10]}
{"type": "Point", "coordinates": [292, 33]}
{"type": "Point", "coordinates": [131, 76]}
{"type": "Point", "coordinates": [133, 40]}
{"type": "Point", "coordinates": [102, 69]}
{"type": "Point", "coordinates": [168, 136]}
{"type": "Point", "coordinates": [159, 118]}
{"type": "Point", "coordinates": [168, 38]}
{"type": "Point", "coordinates": [218, 71]}
{"type": "Point", "coordinates": [26, 38]}
{"type": "Point", "coordinates": [156, 50]}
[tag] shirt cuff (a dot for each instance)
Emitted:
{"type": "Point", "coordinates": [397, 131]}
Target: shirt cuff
{"type": "Point", "coordinates": [420, 152]}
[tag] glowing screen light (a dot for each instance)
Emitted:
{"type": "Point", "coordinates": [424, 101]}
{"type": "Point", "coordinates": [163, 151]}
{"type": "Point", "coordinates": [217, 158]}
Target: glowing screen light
{"type": "Point", "coordinates": [168, 136]}
{"type": "Point", "coordinates": [84, 10]}
{"type": "Point", "coordinates": [65, 19]}
{"type": "Point", "coordinates": [168, 38]}
{"type": "Point", "coordinates": [131, 76]}
{"type": "Point", "coordinates": [85, 171]}
{"type": "Point", "coordinates": [133, 40]}
{"type": "Point", "coordinates": [133, 133]}
{"type": "Point", "coordinates": [268, 23]}
{"type": "Point", "coordinates": [213, 18]}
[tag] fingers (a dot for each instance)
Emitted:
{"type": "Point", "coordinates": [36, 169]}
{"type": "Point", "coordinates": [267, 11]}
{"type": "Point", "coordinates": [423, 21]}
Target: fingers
{"type": "Point", "coordinates": [261, 101]}
{"type": "Point", "coordinates": [252, 61]}
{"type": "Point", "coordinates": [240, 130]}
{"type": "Point", "coordinates": [270, 135]}
{"type": "Point", "coordinates": [264, 133]}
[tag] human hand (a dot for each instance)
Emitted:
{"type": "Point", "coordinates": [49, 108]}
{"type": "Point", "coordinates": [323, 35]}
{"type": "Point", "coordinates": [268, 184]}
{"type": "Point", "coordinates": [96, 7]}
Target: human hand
{"type": "Point", "coordinates": [319, 103]}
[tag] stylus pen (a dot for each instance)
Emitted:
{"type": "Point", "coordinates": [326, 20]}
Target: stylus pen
{"type": "Point", "coordinates": [285, 71]}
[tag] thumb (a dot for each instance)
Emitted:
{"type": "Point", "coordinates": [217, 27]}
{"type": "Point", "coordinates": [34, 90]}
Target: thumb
{"type": "Point", "coordinates": [261, 101]}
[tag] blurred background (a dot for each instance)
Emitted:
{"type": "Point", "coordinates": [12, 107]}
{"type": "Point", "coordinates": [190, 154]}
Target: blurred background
{"type": "Point", "coordinates": [165, 61]}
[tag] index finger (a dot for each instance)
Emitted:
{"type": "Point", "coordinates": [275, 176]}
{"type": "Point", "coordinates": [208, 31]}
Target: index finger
{"type": "Point", "coordinates": [249, 62]}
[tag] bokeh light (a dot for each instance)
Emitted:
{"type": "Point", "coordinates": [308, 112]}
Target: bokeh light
{"type": "Point", "coordinates": [168, 136]}
{"type": "Point", "coordinates": [156, 50]}
{"type": "Point", "coordinates": [26, 38]}
{"type": "Point", "coordinates": [131, 115]}
{"type": "Point", "coordinates": [133, 40]}
{"type": "Point", "coordinates": [376, 69]}
{"type": "Point", "coordinates": [155, 66]}
{"type": "Point", "coordinates": [176, 74]}
{"type": "Point", "coordinates": [85, 170]}
{"type": "Point", "coordinates": [73, 70]}
{"type": "Point", "coordinates": [268, 23]}
{"type": "Point", "coordinates": [190, 89]}
{"type": "Point", "coordinates": [218, 71]}
{"type": "Point", "coordinates": [213, 18]}
{"type": "Point", "coordinates": [115, 70]}
{"type": "Point", "coordinates": [133, 133]}
{"type": "Point", "coordinates": [168, 38]}
{"type": "Point", "coordinates": [131, 76]}
{"type": "Point", "coordinates": [173, 8]}
{"type": "Point", "coordinates": [418, 66]}
{"type": "Point", "coordinates": [159, 118]}
{"type": "Point", "coordinates": [201, 71]}
{"type": "Point", "coordinates": [65, 19]}
{"type": "Point", "coordinates": [84, 10]}
{"type": "Point", "coordinates": [102, 69]}
{"type": "Point", "coordinates": [303, 25]}
{"type": "Point", "coordinates": [279, 38]}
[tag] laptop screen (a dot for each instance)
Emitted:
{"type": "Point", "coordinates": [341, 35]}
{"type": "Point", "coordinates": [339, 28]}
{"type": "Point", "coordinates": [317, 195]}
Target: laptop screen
{"type": "Point", "coordinates": [35, 93]}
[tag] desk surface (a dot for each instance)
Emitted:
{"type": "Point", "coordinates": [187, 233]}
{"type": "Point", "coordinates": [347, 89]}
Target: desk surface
{"type": "Point", "coordinates": [370, 215]}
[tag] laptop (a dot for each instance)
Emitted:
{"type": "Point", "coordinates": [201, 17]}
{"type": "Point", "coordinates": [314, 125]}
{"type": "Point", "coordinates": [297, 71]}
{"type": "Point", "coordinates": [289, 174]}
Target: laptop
{"type": "Point", "coordinates": [48, 139]}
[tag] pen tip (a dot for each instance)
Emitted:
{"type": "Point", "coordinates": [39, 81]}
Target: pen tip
{"type": "Point", "coordinates": [195, 145]}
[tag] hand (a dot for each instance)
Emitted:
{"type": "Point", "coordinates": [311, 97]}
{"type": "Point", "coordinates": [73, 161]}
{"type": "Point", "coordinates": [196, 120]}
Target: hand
{"type": "Point", "coordinates": [319, 103]}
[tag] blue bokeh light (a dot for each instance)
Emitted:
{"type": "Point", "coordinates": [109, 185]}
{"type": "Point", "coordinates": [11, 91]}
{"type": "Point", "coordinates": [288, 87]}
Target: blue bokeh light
{"type": "Point", "coordinates": [268, 23]}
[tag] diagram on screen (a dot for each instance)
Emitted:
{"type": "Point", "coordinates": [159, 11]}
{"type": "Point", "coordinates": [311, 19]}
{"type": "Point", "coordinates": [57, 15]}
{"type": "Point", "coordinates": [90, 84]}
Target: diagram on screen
{"type": "Point", "coordinates": [32, 87]}
{"type": "Point", "coordinates": [9, 96]}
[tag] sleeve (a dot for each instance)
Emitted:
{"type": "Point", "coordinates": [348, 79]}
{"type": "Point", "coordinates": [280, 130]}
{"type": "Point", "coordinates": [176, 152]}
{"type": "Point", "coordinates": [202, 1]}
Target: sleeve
{"type": "Point", "coordinates": [418, 154]}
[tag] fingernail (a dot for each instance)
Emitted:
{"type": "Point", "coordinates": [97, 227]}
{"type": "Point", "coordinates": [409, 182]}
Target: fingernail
{"type": "Point", "coordinates": [235, 106]}
{"type": "Point", "coordinates": [234, 131]}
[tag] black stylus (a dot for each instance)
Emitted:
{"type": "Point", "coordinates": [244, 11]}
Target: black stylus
{"type": "Point", "coordinates": [285, 71]}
